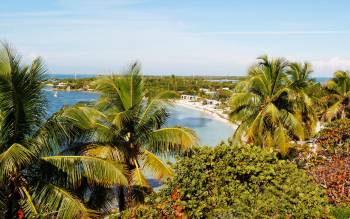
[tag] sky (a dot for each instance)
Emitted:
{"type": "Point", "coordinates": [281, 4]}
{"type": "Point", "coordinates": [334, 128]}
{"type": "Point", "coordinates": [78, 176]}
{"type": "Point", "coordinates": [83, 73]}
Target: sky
{"type": "Point", "coordinates": [181, 37]}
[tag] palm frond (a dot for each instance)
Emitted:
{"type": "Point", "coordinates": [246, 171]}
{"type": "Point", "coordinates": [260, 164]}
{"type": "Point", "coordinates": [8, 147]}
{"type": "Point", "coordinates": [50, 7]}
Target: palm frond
{"type": "Point", "coordinates": [138, 179]}
{"type": "Point", "coordinates": [282, 140]}
{"type": "Point", "coordinates": [96, 170]}
{"type": "Point", "coordinates": [83, 117]}
{"type": "Point", "coordinates": [104, 151]}
{"type": "Point", "coordinates": [156, 165]}
{"type": "Point", "coordinates": [13, 159]}
{"type": "Point", "coordinates": [22, 102]}
{"type": "Point", "coordinates": [172, 140]}
{"type": "Point", "coordinates": [334, 110]}
{"type": "Point", "coordinates": [60, 203]}
{"type": "Point", "coordinates": [27, 204]}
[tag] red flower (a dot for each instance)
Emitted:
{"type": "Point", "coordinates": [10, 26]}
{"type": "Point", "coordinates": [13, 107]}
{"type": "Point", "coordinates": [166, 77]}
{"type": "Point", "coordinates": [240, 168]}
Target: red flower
{"type": "Point", "coordinates": [175, 195]}
{"type": "Point", "coordinates": [20, 214]}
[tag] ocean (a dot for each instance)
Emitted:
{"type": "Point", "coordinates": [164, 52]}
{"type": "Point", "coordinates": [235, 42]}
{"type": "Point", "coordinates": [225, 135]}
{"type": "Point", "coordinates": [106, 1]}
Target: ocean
{"type": "Point", "coordinates": [321, 80]}
{"type": "Point", "coordinates": [69, 76]}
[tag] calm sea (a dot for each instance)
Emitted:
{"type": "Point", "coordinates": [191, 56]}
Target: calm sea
{"type": "Point", "coordinates": [210, 131]}
{"type": "Point", "coordinates": [66, 76]}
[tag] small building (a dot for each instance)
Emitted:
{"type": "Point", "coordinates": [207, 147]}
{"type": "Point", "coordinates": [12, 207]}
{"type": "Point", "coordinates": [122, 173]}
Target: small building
{"type": "Point", "coordinates": [189, 97]}
{"type": "Point", "coordinates": [226, 88]}
{"type": "Point", "coordinates": [211, 93]}
{"type": "Point", "coordinates": [61, 85]}
{"type": "Point", "coordinates": [213, 102]}
{"type": "Point", "coordinates": [205, 90]}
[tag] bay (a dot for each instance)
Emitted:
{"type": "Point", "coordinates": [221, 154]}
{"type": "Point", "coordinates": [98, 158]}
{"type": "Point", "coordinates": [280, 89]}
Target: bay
{"type": "Point", "coordinates": [209, 130]}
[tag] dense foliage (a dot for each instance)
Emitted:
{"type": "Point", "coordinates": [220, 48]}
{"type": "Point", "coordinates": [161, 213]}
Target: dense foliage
{"type": "Point", "coordinates": [181, 84]}
{"type": "Point", "coordinates": [237, 181]}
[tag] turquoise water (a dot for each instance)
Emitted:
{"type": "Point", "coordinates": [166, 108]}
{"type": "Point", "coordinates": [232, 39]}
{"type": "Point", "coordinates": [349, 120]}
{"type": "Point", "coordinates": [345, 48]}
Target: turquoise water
{"type": "Point", "coordinates": [210, 131]}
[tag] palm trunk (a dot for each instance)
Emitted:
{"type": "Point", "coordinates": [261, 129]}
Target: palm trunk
{"type": "Point", "coordinates": [121, 199]}
{"type": "Point", "coordinates": [130, 188]}
{"type": "Point", "coordinates": [8, 212]}
{"type": "Point", "coordinates": [127, 201]}
{"type": "Point", "coordinates": [10, 202]}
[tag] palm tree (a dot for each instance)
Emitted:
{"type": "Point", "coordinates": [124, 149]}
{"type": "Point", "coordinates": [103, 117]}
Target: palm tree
{"type": "Point", "coordinates": [126, 126]}
{"type": "Point", "coordinates": [34, 177]}
{"type": "Point", "coordinates": [264, 105]}
{"type": "Point", "coordinates": [306, 100]}
{"type": "Point", "coordinates": [338, 99]}
{"type": "Point", "coordinates": [173, 79]}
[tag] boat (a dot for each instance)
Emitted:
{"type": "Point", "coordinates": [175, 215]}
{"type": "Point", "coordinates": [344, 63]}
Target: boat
{"type": "Point", "coordinates": [55, 94]}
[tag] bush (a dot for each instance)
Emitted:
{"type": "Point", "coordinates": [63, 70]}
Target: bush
{"type": "Point", "coordinates": [141, 211]}
{"type": "Point", "coordinates": [334, 175]}
{"type": "Point", "coordinates": [341, 212]}
{"type": "Point", "coordinates": [238, 182]}
{"type": "Point", "coordinates": [333, 169]}
{"type": "Point", "coordinates": [335, 138]}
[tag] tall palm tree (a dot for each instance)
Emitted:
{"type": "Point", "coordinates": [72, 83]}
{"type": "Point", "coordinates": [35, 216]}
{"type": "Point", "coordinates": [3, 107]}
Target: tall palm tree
{"type": "Point", "coordinates": [129, 126]}
{"type": "Point", "coordinates": [34, 177]}
{"type": "Point", "coordinates": [264, 106]}
{"type": "Point", "coordinates": [338, 100]}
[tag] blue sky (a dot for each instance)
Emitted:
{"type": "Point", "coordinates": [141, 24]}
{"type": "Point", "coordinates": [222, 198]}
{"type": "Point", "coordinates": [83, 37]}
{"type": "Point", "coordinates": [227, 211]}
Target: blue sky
{"type": "Point", "coordinates": [177, 37]}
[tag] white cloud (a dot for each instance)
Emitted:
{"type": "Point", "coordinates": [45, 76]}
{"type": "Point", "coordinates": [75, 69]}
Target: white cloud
{"type": "Point", "coordinates": [331, 65]}
{"type": "Point", "coordinates": [301, 32]}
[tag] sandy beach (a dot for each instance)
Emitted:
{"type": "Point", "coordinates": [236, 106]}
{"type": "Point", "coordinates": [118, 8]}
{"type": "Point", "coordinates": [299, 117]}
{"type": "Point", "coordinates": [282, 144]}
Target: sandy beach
{"type": "Point", "coordinates": [209, 110]}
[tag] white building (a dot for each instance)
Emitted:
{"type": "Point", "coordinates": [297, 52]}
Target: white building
{"type": "Point", "coordinates": [213, 102]}
{"type": "Point", "coordinates": [189, 97]}
{"type": "Point", "coordinates": [62, 84]}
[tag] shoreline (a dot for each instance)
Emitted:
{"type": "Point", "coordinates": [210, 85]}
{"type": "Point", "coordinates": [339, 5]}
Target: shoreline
{"type": "Point", "coordinates": [213, 113]}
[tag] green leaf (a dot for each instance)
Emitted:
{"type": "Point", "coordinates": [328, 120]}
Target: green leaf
{"type": "Point", "coordinates": [96, 170]}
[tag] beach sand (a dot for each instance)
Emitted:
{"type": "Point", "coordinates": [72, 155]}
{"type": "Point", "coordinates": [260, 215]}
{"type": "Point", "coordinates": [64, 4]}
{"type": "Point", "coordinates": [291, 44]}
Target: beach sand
{"type": "Point", "coordinates": [213, 113]}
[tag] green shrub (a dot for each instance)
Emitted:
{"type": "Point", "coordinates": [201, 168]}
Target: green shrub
{"type": "Point", "coordinates": [238, 182]}
{"type": "Point", "coordinates": [341, 212]}
{"type": "Point", "coordinates": [141, 211]}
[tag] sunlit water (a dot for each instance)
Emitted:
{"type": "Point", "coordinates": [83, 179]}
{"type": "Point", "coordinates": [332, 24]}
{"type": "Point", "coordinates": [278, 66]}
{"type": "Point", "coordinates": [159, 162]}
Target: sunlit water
{"type": "Point", "coordinates": [210, 131]}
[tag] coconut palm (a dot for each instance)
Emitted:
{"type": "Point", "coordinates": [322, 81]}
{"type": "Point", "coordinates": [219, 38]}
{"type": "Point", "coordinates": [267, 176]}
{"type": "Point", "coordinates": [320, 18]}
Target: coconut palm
{"type": "Point", "coordinates": [35, 179]}
{"type": "Point", "coordinates": [264, 106]}
{"type": "Point", "coordinates": [338, 99]}
{"type": "Point", "coordinates": [126, 126]}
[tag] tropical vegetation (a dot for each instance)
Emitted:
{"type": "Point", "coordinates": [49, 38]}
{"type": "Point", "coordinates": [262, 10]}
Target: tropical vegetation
{"type": "Point", "coordinates": [35, 178]}
{"type": "Point", "coordinates": [288, 158]}
{"type": "Point", "coordinates": [235, 181]}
